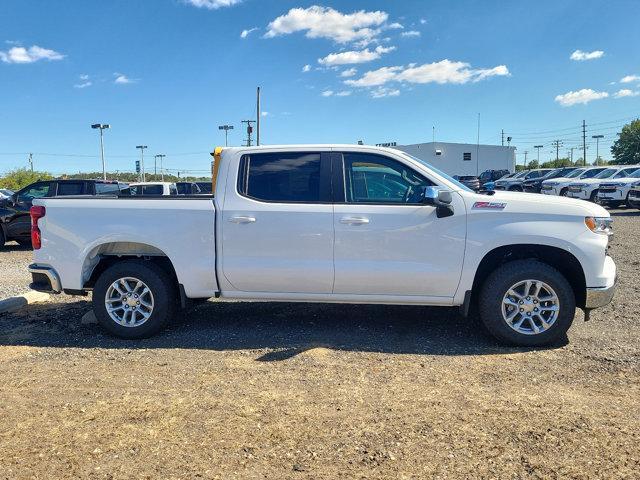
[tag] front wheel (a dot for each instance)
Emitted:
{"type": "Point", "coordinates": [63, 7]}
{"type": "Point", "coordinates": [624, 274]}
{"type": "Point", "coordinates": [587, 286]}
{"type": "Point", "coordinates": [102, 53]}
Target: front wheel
{"type": "Point", "coordinates": [564, 192]}
{"type": "Point", "coordinates": [134, 299]}
{"type": "Point", "coordinates": [527, 303]}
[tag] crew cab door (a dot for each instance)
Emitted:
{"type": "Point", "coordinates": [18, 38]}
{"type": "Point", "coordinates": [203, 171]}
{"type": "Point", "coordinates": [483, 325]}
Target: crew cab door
{"type": "Point", "coordinates": [277, 223]}
{"type": "Point", "coordinates": [17, 219]}
{"type": "Point", "coordinates": [387, 241]}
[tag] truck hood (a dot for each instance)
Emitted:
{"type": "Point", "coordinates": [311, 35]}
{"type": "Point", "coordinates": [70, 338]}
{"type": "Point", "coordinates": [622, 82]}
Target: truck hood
{"type": "Point", "coordinates": [533, 203]}
{"type": "Point", "coordinates": [559, 180]}
{"type": "Point", "coordinates": [622, 181]}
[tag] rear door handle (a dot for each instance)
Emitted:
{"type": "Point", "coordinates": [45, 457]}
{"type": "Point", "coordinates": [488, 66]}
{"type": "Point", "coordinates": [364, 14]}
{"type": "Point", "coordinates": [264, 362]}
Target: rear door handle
{"type": "Point", "coordinates": [354, 220]}
{"type": "Point", "coordinates": [242, 219]}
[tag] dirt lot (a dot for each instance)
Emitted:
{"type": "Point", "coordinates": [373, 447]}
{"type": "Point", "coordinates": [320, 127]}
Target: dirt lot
{"type": "Point", "coordinates": [320, 391]}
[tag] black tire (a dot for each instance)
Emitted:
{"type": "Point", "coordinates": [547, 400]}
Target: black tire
{"type": "Point", "coordinates": [564, 192]}
{"type": "Point", "coordinates": [162, 287]}
{"type": "Point", "coordinates": [25, 243]}
{"type": "Point", "coordinates": [506, 276]}
{"type": "Point", "coordinates": [594, 196]}
{"type": "Point", "coordinates": [2, 238]}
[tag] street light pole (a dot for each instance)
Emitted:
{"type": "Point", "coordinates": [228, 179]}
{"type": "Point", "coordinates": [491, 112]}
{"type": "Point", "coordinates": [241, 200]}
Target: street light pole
{"type": "Point", "coordinates": [142, 147]}
{"type": "Point", "coordinates": [102, 127]}
{"type": "Point", "coordinates": [226, 129]}
{"type": "Point", "coordinates": [597, 137]}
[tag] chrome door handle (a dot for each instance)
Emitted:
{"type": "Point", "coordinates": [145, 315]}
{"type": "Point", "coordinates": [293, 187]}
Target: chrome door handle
{"type": "Point", "coordinates": [242, 219]}
{"type": "Point", "coordinates": [354, 220]}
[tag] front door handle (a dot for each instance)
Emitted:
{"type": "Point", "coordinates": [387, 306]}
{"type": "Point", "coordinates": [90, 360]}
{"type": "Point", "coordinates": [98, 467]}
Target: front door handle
{"type": "Point", "coordinates": [242, 219]}
{"type": "Point", "coordinates": [354, 220]}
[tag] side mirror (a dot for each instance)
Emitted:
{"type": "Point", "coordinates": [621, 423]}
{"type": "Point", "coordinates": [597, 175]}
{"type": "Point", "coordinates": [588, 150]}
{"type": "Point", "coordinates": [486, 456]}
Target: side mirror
{"type": "Point", "coordinates": [439, 198]}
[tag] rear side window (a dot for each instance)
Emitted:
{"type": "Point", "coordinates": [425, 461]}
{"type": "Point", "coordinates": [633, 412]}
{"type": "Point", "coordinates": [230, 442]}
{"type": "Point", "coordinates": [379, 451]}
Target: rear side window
{"type": "Point", "coordinates": [281, 177]}
{"type": "Point", "coordinates": [70, 188]}
{"type": "Point", "coordinates": [107, 188]}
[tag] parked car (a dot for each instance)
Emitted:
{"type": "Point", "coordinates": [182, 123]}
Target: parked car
{"type": "Point", "coordinates": [515, 183]}
{"type": "Point", "coordinates": [534, 185]}
{"type": "Point", "coordinates": [14, 210]}
{"type": "Point", "coordinates": [205, 187]}
{"type": "Point", "coordinates": [6, 193]}
{"type": "Point", "coordinates": [188, 188]}
{"type": "Point", "coordinates": [618, 191]}
{"type": "Point", "coordinates": [492, 175]}
{"type": "Point", "coordinates": [330, 223]}
{"type": "Point", "coordinates": [491, 185]}
{"type": "Point", "coordinates": [560, 186]}
{"type": "Point", "coordinates": [470, 181]}
{"type": "Point", "coordinates": [151, 188]}
{"type": "Point", "coordinates": [633, 200]}
{"type": "Point", "coordinates": [587, 189]}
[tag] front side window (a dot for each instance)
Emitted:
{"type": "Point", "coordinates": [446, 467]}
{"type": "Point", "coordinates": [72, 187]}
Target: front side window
{"type": "Point", "coordinates": [592, 173]}
{"type": "Point", "coordinates": [286, 177]}
{"type": "Point", "coordinates": [173, 189]}
{"type": "Point", "coordinates": [107, 188]}
{"type": "Point", "coordinates": [377, 179]}
{"type": "Point", "coordinates": [38, 190]}
{"type": "Point", "coordinates": [627, 172]}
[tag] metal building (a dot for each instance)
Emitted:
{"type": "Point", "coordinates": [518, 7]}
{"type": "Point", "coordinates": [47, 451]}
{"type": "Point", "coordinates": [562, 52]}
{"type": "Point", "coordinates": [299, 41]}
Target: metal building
{"type": "Point", "coordinates": [463, 158]}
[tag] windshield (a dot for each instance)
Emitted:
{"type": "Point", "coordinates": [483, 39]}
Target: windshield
{"type": "Point", "coordinates": [575, 173]}
{"type": "Point", "coordinates": [635, 174]}
{"type": "Point", "coordinates": [591, 173]}
{"type": "Point", "coordinates": [521, 174]}
{"type": "Point", "coordinates": [461, 186]}
{"type": "Point", "coordinates": [606, 173]}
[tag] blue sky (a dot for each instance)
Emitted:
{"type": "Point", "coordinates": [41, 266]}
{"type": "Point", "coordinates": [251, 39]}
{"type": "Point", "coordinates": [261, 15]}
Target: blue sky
{"type": "Point", "coordinates": [166, 73]}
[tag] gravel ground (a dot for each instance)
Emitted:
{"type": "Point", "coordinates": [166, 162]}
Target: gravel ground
{"type": "Point", "coordinates": [14, 277]}
{"type": "Point", "coordinates": [242, 390]}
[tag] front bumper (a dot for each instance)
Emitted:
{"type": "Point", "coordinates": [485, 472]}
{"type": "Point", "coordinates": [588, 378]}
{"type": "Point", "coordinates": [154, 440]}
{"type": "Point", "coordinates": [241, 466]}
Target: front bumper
{"type": "Point", "coordinates": [581, 194]}
{"type": "Point", "coordinates": [600, 296]}
{"type": "Point", "coordinates": [44, 279]}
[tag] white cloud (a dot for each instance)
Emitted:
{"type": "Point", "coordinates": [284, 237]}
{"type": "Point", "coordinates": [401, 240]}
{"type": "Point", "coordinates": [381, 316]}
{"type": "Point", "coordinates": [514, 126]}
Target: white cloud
{"type": "Point", "coordinates": [583, 96]}
{"type": "Point", "coordinates": [423, 21]}
{"type": "Point", "coordinates": [122, 79]}
{"type": "Point", "coordinates": [264, 114]}
{"type": "Point", "coordinates": [325, 22]}
{"type": "Point", "coordinates": [29, 55]}
{"type": "Point", "coordinates": [625, 92]}
{"type": "Point", "coordinates": [212, 4]}
{"type": "Point", "coordinates": [84, 82]}
{"type": "Point", "coordinates": [410, 33]}
{"type": "Point", "coordinates": [354, 56]}
{"type": "Point", "coordinates": [395, 26]}
{"type": "Point", "coordinates": [580, 56]}
{"type": "Point", "coordinates": [381, 92]}
{"type": "Point", "coordinates": [444, 71]}
{"type": "Point", "coordinates": [306, 68]}
{"type": "Point", "coordinates": [350, 72]}
{"type": "Point", "coordinates": [327, 93]}
{"type": "Point", "coordinates": [630, 79]}
{"type": "Point", "coordinates": [343, 93]}
{"type": "Point", "coordinates": [245, 33]}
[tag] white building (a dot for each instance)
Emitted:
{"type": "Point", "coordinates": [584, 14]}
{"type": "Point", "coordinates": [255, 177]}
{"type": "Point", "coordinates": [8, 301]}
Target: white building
{"type": "Point", "coordinates": [463, 158]}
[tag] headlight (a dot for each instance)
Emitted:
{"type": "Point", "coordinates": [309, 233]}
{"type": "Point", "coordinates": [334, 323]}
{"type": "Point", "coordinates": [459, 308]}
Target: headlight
{"type": "Point", "coordinates": [550, 184]}
{"type": "Point", "coordinates": [602, 225]}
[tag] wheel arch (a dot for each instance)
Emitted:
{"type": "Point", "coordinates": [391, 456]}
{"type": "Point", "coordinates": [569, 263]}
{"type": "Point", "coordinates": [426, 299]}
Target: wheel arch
{"type": "Point", "coordinates": [562, 260]}
{"type": "Point", "coordinates": [103, 256]}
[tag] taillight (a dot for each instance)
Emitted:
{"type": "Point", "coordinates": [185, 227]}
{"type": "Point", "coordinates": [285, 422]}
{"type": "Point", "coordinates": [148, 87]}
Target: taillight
{"type": "Point", "coordinates": [37, 212]}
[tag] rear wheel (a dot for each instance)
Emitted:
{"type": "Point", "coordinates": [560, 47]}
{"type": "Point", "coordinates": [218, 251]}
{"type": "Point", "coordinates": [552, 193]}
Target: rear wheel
{"type": "Point", "coordinates": [134, 299]}
{"type": "Point", "coordinates": [527, 303]}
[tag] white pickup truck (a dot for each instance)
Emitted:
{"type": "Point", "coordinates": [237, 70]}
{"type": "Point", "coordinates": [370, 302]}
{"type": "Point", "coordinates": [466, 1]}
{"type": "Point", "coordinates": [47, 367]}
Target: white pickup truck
{"type": "Point", "coordinates": [330, 223]}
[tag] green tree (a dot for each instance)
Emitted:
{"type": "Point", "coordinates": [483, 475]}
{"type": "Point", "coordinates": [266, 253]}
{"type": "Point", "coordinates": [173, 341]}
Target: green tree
{"type": "Point", "coordinates": [626, 149]}
{"type": "Point", "coordinates": [21, 177]}
{"type": "Point", "coordinates": [561, 162]}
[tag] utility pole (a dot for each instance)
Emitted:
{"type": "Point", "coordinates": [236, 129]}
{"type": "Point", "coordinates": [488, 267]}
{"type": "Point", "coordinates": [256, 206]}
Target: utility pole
{"type": "Point", "coordinates": [597, 137]}
{"type": "Point", "coordinates": [160, 156]}
{"type": "Point", "coordinates": [584, 142]}
{"type": "Point", "coordinates": [503, 137]}
{"type": "Point", "coordinates": [571, 150]}
{"type": "Point", "coordinates": [478, 148]}
{"type": "Point", "coordinates": [538, 147]}
{"type": "Point", "coordinates": [526, 152]}
{"type": "Point", "coordinates": [31, 161]}
{"type": "Point", "coordinates": [249, 130]}
{"type": "Point", "coordinates": [258, 115]}
{"type": "Point", "coordinates": [557, 144]}
{"type": "Point", "coordinates": [584, 154]}
{"type": "Point", "coordinates": [142, 147]}
{"type": "Point", "coordinates": [433, 134]}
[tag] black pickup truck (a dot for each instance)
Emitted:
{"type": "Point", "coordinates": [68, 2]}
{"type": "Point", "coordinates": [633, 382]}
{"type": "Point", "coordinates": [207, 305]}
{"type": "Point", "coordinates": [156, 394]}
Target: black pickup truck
{"type": "Point", "coordinates": [15, 223]}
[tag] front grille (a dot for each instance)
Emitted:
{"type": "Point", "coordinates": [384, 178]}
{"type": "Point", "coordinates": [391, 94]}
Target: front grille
{"type": "Point", "coordinates": [607, 189]}
{"type": "Point", "coordinates": [634, 193]}
{"type": "Point", "coordinates": [574, 189]}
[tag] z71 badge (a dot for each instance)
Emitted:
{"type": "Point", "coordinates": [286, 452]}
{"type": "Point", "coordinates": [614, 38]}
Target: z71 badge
{"type": "Point", "coordinates": [489, 205]}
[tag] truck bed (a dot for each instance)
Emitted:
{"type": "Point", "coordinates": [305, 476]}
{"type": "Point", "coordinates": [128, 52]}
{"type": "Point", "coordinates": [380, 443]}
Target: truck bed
{"type": "Point", "coordinates": [180, 228]}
